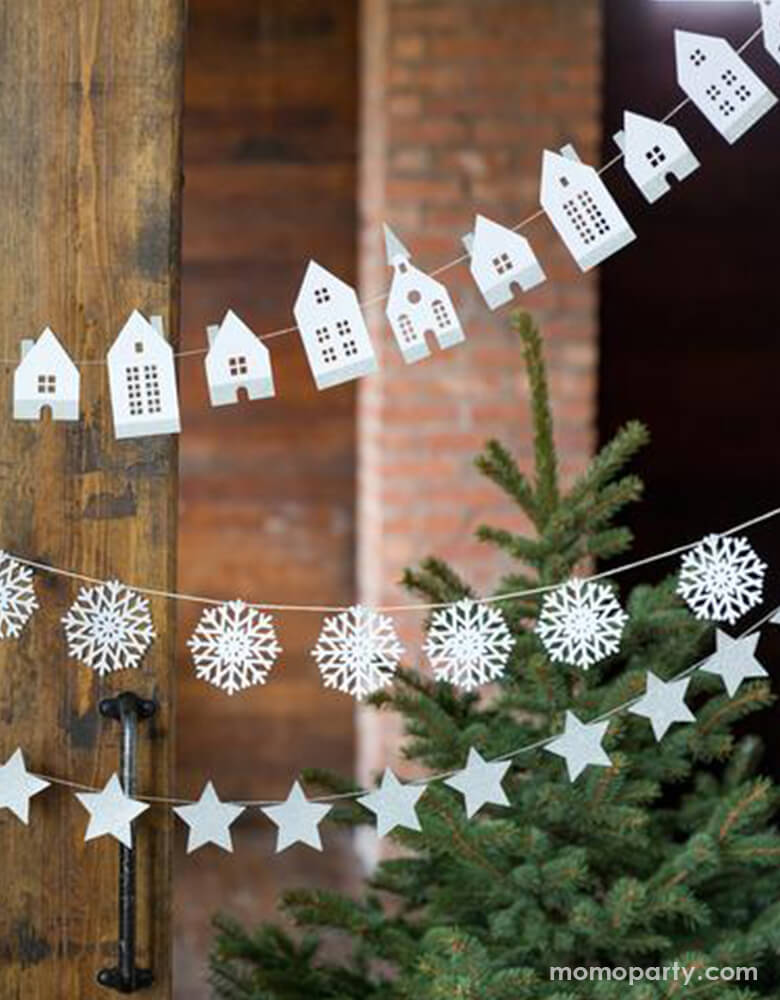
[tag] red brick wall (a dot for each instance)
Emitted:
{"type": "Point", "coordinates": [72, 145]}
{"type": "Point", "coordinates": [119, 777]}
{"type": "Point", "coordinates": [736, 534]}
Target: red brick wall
{"type": "Point", "coordinates": [459, 99]}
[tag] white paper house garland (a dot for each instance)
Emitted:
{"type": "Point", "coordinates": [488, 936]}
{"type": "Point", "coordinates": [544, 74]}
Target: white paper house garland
{"type": "Point", "coordinates": [770, 19]}
{"type": "Point", "coordinates": [651, 152]}
{"type": "Point", "coordinates": [236, 360]}
{"type": "Point", "coordinates": [501, 262]}
{"type": "Point", "coordinates": [46, 378]}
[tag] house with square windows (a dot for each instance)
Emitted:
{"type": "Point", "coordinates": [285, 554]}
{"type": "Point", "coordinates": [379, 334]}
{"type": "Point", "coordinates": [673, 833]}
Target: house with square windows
{"type": "Point", "coordinates": [142, 380]}
{"type": "Point", "coordinates": [327, 313]}
{"type": "Point", "coordinates": [770, 19]}
{"type": "Point", "coordinates": [46, 378]}
{"type": "Point", "coordinates": [652, 152]}
{"type": "Point", "coordinates": [502, 262]}
{"type": "Point", "coordinates": [720, 83]}
{"type": "Point", "coordinates": [584, 213]}
{"type": "Point", "coordinates": [418, 306]}
{"type": "Point", "coordinates": [236, 361]}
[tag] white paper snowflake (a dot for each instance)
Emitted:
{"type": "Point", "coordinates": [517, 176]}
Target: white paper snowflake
{"type": "Point", "coordinates": [581, 623]}
{"type": "Point", "coordinates": [109, 627]}
{"type": "Point", "coordinates": [17, 596]}
{"type": "Point", "coordinates": [234, 646]}
{"type": "Point", "coordinates": [468, 644]}
{"type": "Point", "coordinates": [721, 578]}
{"type": "Point", "coordinates": [357, 651]}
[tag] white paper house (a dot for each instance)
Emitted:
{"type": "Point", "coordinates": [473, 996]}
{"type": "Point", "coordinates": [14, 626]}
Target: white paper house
{"type": "Point", "coordinates": [770, 16]}
{"type": "Point", "coordinates": [332, 328]}
{"type": "Point", "coordinates": [502, 261]}
{"type": "Point", "coordinates": [237, 360]}
{"type": "Point", "coordinates": [46, 377]}
{"type": "Point", "coordinates": [418, 306]}
{"type": "Point", "coordinates": [142, 380]}
{"type": "Point", "coordinates": [721, 84]}
{"type": "Point", "coordinates": [652, 151]}
{"type": "Point", "coordinates": [581, 208]}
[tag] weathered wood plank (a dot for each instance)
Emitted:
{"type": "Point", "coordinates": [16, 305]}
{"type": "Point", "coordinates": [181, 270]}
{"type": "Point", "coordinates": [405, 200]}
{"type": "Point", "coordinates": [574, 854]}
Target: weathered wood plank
{"type": "Point", "coordinates": [89, 228]}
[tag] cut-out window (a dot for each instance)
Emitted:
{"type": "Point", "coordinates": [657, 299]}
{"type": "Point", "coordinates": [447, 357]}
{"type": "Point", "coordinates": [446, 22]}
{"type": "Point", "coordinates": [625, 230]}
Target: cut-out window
{"type": "Point", "coordinates": [441, 314]}
{"type": "Point", "coordinates": [656, 156]}
{"type": "Point", "coordinates": [321, 296]}
{"type": "Point", "coordinates": [502, 263]}
{"type": "Point", "coordinates": [588, 220]}
{"type": "Point", "coordinates": [729, 77]}
{"type": "Point", "coordinates": [47, 384]}
{"type": "Point", "coordinates": [135, 402]}
{"type": "Point", "coordinates": [406, 329]}
{"type": "Point", "coordinates": [698, 57]}
{"type": "Point", "coordinates": [350, 348]}
{"type": "Point", "coordinates": [743, 93]}
{"type": "Point", "coordinates": [564, 181]}
{"type": "Point", "coordinates": [713, 92]}
{"type": "Point", "coordinates": [322, 334]}
{"type": "Point", "coordinates": [329, 355]}
{"type": "Point", "coordinates": [343, 328]}
{"type": "Point", "coordinates": [238, 366]}
{"type": "Point", "coordinates": [726, 108]}
{"type": "Point", "coordinates": [139, 347]}
{"type": "Point", "coordinates": [152, 389]}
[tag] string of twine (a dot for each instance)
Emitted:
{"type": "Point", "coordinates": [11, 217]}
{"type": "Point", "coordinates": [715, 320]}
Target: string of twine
{"type": "Point", "coordinates": [511, 595]}
{"type": "Point", "coordinates": [381, 297]}
{"type": "Point", "coordinates": [432, 778]}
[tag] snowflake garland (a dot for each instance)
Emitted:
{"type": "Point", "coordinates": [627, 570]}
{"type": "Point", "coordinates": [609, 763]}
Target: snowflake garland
{"type": "Point", "coordinates": [234, 646]}
{"type": "Point", "coordinates": [17, 596]}
{"type": "Point", "coordinates": [109, 627]}
{"type": "Point", "coordinates": [581, 623]}
{"type": "Point", "coordinates": [721, 578]}
{"type": "Point", "coordinates": [357, 651]}
{"type": "Point", "coordinates": [468, 644]}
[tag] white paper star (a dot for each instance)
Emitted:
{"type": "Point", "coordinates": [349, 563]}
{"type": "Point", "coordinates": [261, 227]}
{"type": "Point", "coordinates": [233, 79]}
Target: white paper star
{"type": "Point", "coordinates": [734, 660]}
{"type": "Point", "coordinates": [209, 820]}
{"type": "Point", "coordinates": [393, 803]}
{"type": "Point", "coordinates": [480, 782]}
{"type": "Point", "coordinates": [663, 704]}
{"type": "Point", "coordinates": [111, 812]}
{"type": "Point", "coordinates": [17, 786]}
{"type": "Point", "coordinates": [580, 745]}
{"type": "Point", "coordinates": [298, 820]}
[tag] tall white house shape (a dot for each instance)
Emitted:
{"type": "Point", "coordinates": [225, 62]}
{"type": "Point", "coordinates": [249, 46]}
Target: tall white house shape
{"type": "Point", "coordinates": [651, 152]}
{"type": "Point", "coordinates": [236, 360]}
{"type": "Point", "coordinates": [334, 334]}
{"type": "Point", "coordinates": [418, 305]}
{"type": "Point", "coordinates": [46, 377]}
{"type": "Point", "coordinates": [721, 84]}
{"type": "Point", "coordinates": [770, 16]}
{"type": "Point", "coordinates": [501, 261]}
{"type": "Point", "coordinates": [142, 380]}
{"type": "Point", "coordinates": [581, 208]}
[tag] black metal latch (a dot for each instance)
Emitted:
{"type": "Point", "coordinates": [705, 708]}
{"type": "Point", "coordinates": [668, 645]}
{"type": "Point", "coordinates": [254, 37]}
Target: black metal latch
{"type": "Point", "coordinates": [125, 977]}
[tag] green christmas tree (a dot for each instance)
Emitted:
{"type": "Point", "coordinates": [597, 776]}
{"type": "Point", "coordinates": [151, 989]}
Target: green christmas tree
{"type": "Point", "coordinates": [668, 855]}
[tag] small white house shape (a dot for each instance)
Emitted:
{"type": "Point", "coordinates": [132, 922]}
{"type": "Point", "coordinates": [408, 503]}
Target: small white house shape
{"type": "Point", "coordinates": [46, 377]}
{"type": "Point", "coordinates": [142, 380]}
{"type": "Point", "coordinates": [236, 360]}
{"type": "Point", "coordinates": [332, 328]}
{"type": "Point", "coordinates": [418, 305]}
{"type": "Point", "coordinates": [652, 151]}
{"type": "Point", "coordinates": [770, 17]}
{"type": "Point", "coordinates": [721, 84]}
{"type": "Point", "coordinates": [581, 208]}
{"type": "Point", "coordinates": [501, 261]}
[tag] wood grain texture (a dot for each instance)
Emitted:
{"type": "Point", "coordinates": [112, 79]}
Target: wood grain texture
{"type": "Point", "coordinates": [89, 228]}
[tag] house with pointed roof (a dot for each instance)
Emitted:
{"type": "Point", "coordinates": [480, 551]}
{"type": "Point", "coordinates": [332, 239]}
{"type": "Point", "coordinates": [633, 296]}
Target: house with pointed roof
{"type": "Point", "coordinates": [502, 262]}
{"type": "Point", "coordinates": [770, 19]}
{"type": "Point", "coordinates": [584, 213]}
{"type": "Point", "coordinates": [330, 322]}
{"type": "Point", "coordinates": [418, 306]}
{"type": "Point", "coordinates": [236, 361]}
{"type": "Point", "coordinates": [652, 152]}
{"type": "Point", "coordinates": [720, 83]}
{"type": "Point", "coordinates": [46, 378]}
{"type": "Point", "coordinates": [142, 380]}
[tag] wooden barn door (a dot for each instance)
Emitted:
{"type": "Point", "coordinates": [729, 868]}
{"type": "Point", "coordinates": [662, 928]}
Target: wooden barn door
{"type": "Point", "coordinates": [90, 95]}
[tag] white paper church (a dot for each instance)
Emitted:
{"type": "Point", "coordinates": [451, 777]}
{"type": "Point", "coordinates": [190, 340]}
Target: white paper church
{"type": "Point", "coordinates": [502, 262]}
{"type": "Point", "coordinates": [142, 380]}
{"type": "Point", "coordinates": [46, 378]}
{"type": "Point", "coordinates": [652, 152]}
{"type": "Point", "coordinates": [332, 328]}
{"type": "Point", "coordinates": [418, 306]}
{"type": "Point", "coordinates": [720, 83]}
{"type": "Point", "coordinates": [236, 361]}
{"type": "Point", "coordinates": [584, 213]}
